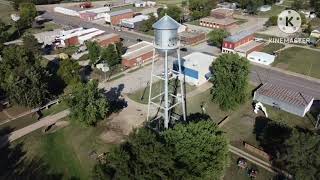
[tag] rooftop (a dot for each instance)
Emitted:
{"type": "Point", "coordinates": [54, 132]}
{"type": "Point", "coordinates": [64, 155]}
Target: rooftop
{"type": "Point", "coordinates": [135, 19]}
{"type": "Point", "coordinates": [247, 46]}
{"type": "Point", "coordinates": [138, 49]}
{"type": "Point", "coordinates": [288, 96]}
{"type": "Point", "coordinates": [222, 11]}
{"type": "Point", "coordinates": [198, 60]}
{"type": "Point", "coordinates": [238, 36]}
{"type": "Point", "coordinates": [97, 10]}
{"type": "Point", "coordinates": [166, 22]}
{"type": "Point", "coordinates": [221, 21]}
{"type": "Point", "coordinates": [190, 34]}
{"type": "Point", "coordinates": [116, 13]}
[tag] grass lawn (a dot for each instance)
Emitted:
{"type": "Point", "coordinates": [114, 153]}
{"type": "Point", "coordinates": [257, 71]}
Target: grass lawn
{"type": "Point", "coordinates": [170, 2]}
{"type": "Point", "coordinates": [67, 50]}
{"type": "Point", "coordinates": [299, 60]}
{"type": "Point", "coordinates": [194, 22]}
{"type": "Point", "coordinates": [275, 10]}
{"type": "Point", "coordinates": [235, 173]}
{"type": "Point", "coordinates": [240, 21]}
{"type": "Point", "coordinates": [3, 117]}
{"type": "Point", "coordinates": [101, 76]}
{"type": "Point", "coordinates": [20, 122]}
{"type": "Point", "coordinates": [142, 95]}
{"type": "Point", "coordinates": [54, 109]}
{"type": "Point", "coordinates": [68, 151]}
{"type": "Point", "coordinates": [271, 47]}
{"type": "Point", "coordinates": [16, 110]}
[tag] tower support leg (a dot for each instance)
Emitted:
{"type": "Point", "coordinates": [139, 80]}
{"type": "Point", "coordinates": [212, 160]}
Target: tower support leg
{"type": "Point", "coordinates": [166, 92]}
{"type": "Point", "coordinates": [150, 84]}
{"type": "Point", "coordinates": [182, 87]}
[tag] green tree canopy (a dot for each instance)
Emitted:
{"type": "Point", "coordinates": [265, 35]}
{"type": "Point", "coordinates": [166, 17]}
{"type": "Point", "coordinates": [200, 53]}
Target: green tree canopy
{"type": "Point", "coordinates": [173, 11]}
{"type": "Point", "coordinates": [197, 150]}
{"type": "Point", "coordinates": [200, 150]}
{"type": "Point", "coordinates": [301, 156]}
{"type": "Point", "coordinates": [69, 71]}
{"type": "Point", "coordinates": [147, 24]}
{"type": "Point", "coordinates": [30, 43]}
{"type": "Point", "coordinates": [216, 36]}
{"type": "Point", "coordinates": [201, 8]}
{"type": "Point", "coordinates": [230, 80]}
{"type": "Point", "coordinates": [94, 51]}
{"type": "Point", "coordinates": [110, 55]}
{"type": "Point", "coordinates": [28, 12]}
{"type": "Point", "coordinates": [272, 21]}
{"type": "Point", "coordinates": [87, 104]}
{"type": "Point", "coordinates": [22, 77]}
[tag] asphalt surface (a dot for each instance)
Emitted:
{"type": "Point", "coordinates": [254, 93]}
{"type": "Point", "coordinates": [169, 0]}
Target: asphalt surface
{"type": "Point", "coordinates": [258, 74]}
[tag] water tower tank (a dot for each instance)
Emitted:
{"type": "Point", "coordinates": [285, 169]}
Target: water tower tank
{"type": "Point", "coordinates": [166, 34]}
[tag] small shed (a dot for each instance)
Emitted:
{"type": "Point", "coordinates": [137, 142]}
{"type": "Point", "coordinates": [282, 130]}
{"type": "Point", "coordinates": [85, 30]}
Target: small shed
{"type": "Point", "coordinates": [195, 67]}
{"type": "Point", "coordinates": [261, 57]}
{"type": "Point", "coordinates": [288, 100]}
{"type": "Point", "coordinates": [265, 8]}
{"type": "Point", "coordinates": [315, 33]}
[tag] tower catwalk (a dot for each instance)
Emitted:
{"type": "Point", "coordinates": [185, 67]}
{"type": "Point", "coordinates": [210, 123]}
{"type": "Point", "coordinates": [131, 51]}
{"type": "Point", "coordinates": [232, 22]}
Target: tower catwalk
{"type": "Point", "coordinates": [167, 42]}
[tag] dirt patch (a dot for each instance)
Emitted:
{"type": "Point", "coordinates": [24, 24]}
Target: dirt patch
{"type": "Point", "coordinates": [55, 127]}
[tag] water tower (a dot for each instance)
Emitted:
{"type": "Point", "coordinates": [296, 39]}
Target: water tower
{"type": "Point", "coordinates": [167, 43]}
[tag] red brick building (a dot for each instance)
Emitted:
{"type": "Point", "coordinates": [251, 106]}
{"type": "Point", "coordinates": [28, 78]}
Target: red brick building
{"type": "Point", "coordinates": [220, 18]}
{"type": "Point", "coordinates": [137, 54]}
{"type": "Point", "coordinates": [88, 16]}
{"type": "Point", "coordinates": [106, 39]}
{"type": "Point", "coordinates": [241, 43]}
{"type": "Point", "coordinates": [221, 13]}
{"type": "Point", "coordinates": [189, 38]}
{"type": "Point", "coordinates": [114, 18]}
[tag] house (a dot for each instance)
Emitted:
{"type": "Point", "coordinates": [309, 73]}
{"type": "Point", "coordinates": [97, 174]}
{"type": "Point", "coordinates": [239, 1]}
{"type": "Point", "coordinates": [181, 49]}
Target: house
{"type": "Point", "coordinates": [140, 4]}
{"type": "Point", "coordinates": [189, 38]}
{"type": "Point", "coordinates": [114, 18]}
{"type": "Point", "coordinates": [137, 54]}
{"type": "Point", "coordinates": [82, 39]}
{"type": "Point", "coordinates": [264, 8]}
{"type": "Point", "coordinates": [261, 57]}
{"type": "Point", "coordinates": [285, 99]}
{"type": "Point", "coordinates": [241, 43]}
{"type": "Point", "coordinates": [106, 39]}
{"type": "Point", "coordinates": [195, 68]}
{"type": "Point", "coordinates": [134, 23]}
{"type": "Point", "coordinates": [315, 33]}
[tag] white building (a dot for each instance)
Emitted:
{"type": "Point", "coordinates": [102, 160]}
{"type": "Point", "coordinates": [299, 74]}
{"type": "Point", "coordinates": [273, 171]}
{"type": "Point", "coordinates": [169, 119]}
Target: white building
{"type": "Point", "coordinates": [140, 4]}
{"type": "Point", "coordinates": [261, 57]}
{"type": "Point", "coordinates": [89, 36]}
{"type": "Point", "coordinates": [66, 11]}
{"type": "Point", "coordinates": [151, 3]}
{"type": "Point", "coordinates": [195, 68]}
{"type": "Point", "coordinates": [101, 12]}
{"type": "Point", "coordinates": [133, 23]}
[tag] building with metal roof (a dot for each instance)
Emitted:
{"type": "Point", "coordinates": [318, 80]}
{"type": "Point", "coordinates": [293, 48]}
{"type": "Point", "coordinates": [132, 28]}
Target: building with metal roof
{"type": "Point", "coordinates": [115, 17]}
{"type": "Point", "coordinates": [238, 36]}
{"type": "Point", "coordinates": [138, 54]}
{"type": "Point", "coordinates": [285, 99]}
{"type": "Point", "coordinates": [261, 57]}
{"type": "Point", "coordinates": [134, 23]}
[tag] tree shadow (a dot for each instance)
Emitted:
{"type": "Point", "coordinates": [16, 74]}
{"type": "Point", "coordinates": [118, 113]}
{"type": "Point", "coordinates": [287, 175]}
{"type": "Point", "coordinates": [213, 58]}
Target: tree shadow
{"type": "Point", "coordinates": [116, 100]}
{"type": "Point", "coordinates": [15, 165]}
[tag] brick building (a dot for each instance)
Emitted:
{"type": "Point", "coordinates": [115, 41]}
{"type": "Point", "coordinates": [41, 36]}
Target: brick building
{"type": "Point", "coordinates": [106, 39]}
{"type": "Point", "coordinates": [88, 16]}
{"type": "Point", "coordinates": [220, 18]}
{"type": "Point", "coordinates": [137, 54]}
{"type": "Point", "coordinates": [241, 43]}
{"type": "Point", "coordinates": [114, 18]}
{"type": "Point", "coordinates": [189, 38]}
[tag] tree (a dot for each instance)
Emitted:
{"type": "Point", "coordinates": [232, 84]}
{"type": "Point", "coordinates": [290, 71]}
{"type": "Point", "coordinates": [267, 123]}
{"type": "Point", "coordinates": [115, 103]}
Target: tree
{"type": "Point", "coordinates": [253, 5]}
{"type": "Point", "coordinates": [230, 80]}
{"type": "Point", "coordinates": [173, 11]}
{"type": "Point", "coordinates": [31, 44]}
{"type": "Point", "coordinates": [200, 150]}
{"type": "Point", "coordinates": [94, 51]}
{"type": "Point", "coordinates": [201, 8]}
{"type": "Point", "coordinates": [110, 55]}
{"type": "Point", "coordinates": [69, 71]}
{"type": "Point", "coordinates": [87, 104]}
{"type": "Point", "coordinates": [316, 5]}
{"type": "Point", "coordinates": [27, 12]}
{"type": "Point", "coordinates": [147, 24]}
{"type": "Point", "coordinates": [4, 35]}
{"type": "Point", "coordinates": [196, 150]}
{"type": "Point", "coordinates": [143, 156]}
{"type": "Point", "coordinates": [272, 21]}
{"type": "Point", "coordinates": [301, 156]}
{"type": "Point", "coordinates": [22, 77]}
{"type": "Point", "coordinates": [216, 36]}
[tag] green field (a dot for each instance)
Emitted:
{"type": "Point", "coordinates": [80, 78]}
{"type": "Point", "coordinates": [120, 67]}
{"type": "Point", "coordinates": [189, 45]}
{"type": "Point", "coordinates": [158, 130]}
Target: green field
{"type": "Point", "coordinates": [48, 26]}
{"type": "Point", "coordinates": [299, 60]}
{"type": "Point", "coordinates": [5, 11]}
{"type": "Point", "coordinates": [142, 95]}
{"type": "Point", "coordinates": [272, 47]}
{"type": "Point", "coordinates": [275, 10]}
{"type": "Point", "coordinates": [70, 152]}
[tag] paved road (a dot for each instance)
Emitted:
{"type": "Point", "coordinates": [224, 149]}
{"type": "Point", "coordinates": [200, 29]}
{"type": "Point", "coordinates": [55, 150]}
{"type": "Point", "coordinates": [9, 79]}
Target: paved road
{"type": "Point", "coordinates": [258, 74]}
{"type": "Point", "coordinates": [46, 121]}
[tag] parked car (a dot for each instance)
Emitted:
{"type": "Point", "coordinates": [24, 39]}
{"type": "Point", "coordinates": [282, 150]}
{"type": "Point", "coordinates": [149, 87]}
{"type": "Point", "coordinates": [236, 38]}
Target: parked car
{"type": "Point", "coordinates": [139, 40]}
{"type": "Point", "coordinates": [184, 49]}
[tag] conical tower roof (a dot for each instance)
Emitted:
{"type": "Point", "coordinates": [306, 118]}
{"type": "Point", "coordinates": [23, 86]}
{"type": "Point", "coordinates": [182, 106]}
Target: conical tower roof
{"type": "Point", "coordinates": [166, 22]}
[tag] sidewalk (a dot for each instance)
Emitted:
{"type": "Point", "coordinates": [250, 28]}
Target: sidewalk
{"type": "Point", "coordinates": [49, 120]}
